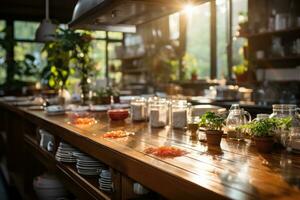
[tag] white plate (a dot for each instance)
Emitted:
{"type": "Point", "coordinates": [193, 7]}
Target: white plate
{"type": "Point", "coordinates": [119, 105]}
{"type": "Point", "coordinates": [99, 108]}
{"type": "Point", "coordinates": [80, 108]}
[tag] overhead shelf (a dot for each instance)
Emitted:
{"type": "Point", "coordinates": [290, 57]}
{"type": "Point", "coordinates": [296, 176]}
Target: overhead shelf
{"type": "Point", "coordinates": [290, 31]}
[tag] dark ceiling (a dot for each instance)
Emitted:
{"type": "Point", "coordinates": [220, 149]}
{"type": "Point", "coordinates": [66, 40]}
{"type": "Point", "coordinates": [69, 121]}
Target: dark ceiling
{"type": "Point", "coordinates": [60, 10]}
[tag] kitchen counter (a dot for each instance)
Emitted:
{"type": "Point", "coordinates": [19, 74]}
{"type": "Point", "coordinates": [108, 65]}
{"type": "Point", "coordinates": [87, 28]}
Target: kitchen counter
{"type": "Point", "coordinates": [234, 171]}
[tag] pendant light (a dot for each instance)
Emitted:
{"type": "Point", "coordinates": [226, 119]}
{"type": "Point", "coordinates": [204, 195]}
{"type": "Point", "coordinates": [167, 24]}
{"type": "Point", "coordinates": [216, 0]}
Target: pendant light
{"type": "Point", "coordinates": [46, 30]}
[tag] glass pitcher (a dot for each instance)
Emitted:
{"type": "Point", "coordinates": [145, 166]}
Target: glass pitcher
{"type": "Point", "coordinates": [237, 116]}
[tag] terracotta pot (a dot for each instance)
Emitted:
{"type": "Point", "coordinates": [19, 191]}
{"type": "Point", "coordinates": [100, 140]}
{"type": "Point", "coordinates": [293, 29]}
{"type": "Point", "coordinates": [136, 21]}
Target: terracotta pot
{"type": "Point", "coordinates": [194, 77]}
{"type": "Point", "coordinates": [242, 78]}
{"type": "Point", "coordinates": [264, 144]}
{"type": "Point", "coordinates": [213, 137]}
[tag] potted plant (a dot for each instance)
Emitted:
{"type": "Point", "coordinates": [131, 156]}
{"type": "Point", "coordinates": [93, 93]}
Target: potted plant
{"type": "Point", "coordinates": [104, 95]}
{"type": "Point", "coordinates": [213, 124]}
{"type": "Point", "coordinates": [194, 75]}
{"type": "Point", "coordinates": [68, 54]}
{"type": "Point", "coordinates": [241, 72]}
{"type": "Point", "coordinates": [262, 131]}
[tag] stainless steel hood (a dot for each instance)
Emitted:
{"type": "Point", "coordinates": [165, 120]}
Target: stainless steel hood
{"type": "Point", "coordinates": [122, 15]}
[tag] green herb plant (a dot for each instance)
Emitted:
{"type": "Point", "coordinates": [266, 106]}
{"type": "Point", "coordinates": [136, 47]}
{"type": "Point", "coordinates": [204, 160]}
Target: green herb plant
{"type": "Point", "coordinates": [241, 68]}
{"type": "Point", "coordinates": [107, 92]}
{"type": "Point", "coordinates": [212, 121]}
{"type": "Point", "coordinates": [265, 127]}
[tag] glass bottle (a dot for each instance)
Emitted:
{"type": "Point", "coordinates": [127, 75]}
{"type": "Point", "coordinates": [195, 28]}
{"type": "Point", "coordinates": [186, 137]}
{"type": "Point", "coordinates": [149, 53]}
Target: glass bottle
{"type": "Point", "coordinates": [139, 110]}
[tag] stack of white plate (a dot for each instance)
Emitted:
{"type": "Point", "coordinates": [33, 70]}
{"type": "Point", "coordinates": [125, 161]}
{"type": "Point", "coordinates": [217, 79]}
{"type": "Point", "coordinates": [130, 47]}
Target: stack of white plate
{"type": "Point", "coordinates": [48, 187]}
{"type": "Point", "coordinates": [65, 153]}
{"type": "Point", "coordinates": [87, 165]}
{"type": "Point", "coordinates": [55, 110]}
{"type": "Point", "coordinates": [105, 180]}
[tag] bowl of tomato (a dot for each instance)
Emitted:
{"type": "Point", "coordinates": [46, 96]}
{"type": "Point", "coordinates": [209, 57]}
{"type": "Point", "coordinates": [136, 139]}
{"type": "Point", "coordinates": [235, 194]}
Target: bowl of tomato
{"type": "Point", "coordinates": [118, 114]}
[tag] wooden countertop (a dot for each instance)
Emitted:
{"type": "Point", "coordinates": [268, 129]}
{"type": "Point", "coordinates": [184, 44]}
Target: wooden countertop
{"type": "Point", "coordinates": [234, 171]}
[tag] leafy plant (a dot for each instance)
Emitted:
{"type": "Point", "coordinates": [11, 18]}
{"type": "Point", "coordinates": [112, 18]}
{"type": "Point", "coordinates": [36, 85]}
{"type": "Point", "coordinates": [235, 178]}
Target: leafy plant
{"type": "Point", "coordinates": [212, 121]}
{"type": "Point", "coordinates": [68, 54]}
{"type": "Point", "coordinates": [26, 69]}
{"type": "Point", "coordinates": [265, 127]}
{"type": "Point", "coordinates": [241, 68]}
{"type": "Point", "coordinates": [107, 92]}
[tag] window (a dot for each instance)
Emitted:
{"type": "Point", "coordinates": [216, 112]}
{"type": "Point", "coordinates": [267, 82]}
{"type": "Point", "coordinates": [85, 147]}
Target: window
{"type": "Point", "coordinates": [114, 63]}
{"type": "Point", "coordinates": [25, 30]}
{"type": "Point", "coordinates": [238, 6]}
{"type": "Point", "coordinates": [99, 34]}
{"type": "Point", "coordinates": [97, 53]}
{"type": "Point", "coordinates": [24, 34]}
{"type": "Point", "coordinates": [115, 35]}
{"type": "Point", "coordinates": [2, 53]}
{"type": "Point", "coordinates": [174, 26]}
{"type": "Point", "coordinates": [197, 59]}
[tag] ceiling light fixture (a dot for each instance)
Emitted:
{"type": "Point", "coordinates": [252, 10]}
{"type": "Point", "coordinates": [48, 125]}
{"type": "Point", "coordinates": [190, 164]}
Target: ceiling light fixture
{"type": "Point", "coordinates": [46, 30]}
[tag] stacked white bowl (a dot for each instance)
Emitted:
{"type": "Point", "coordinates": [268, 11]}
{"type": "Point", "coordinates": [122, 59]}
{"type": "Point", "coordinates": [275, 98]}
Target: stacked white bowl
{"type": "Point", "coordinates": [48, 187]}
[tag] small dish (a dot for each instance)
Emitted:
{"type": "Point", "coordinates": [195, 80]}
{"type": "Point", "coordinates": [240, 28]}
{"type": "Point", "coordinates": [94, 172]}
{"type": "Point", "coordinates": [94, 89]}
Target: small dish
{"type": "Point", "coordinates": [118, 114]}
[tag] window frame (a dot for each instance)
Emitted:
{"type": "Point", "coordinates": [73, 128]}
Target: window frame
{"type": "Point", "coordinates": [11, 24]}
{"type": "Point", "coordinates": [213, 39]}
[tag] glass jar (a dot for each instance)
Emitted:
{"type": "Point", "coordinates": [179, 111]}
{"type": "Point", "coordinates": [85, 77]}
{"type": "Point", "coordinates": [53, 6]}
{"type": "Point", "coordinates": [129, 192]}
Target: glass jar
{"type": "Point", "coordinates": [139, 110]}
{"type": "Point", "coordinates": [283, 111]}
{"type": "Point", "coordinates": [179, 113]}
{"type": "Point", "coordinates": [158, 113]}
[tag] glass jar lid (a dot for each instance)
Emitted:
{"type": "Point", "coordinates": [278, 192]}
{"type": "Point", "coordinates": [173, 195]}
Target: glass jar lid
{"type": "Point", "coordinates": [284, 106]}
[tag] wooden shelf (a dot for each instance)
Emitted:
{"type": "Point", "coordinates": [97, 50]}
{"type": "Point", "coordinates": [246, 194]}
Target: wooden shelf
{"type": "Point", "coordinates": [83, 187]}
{"type": "Point", "coordinates": [134, 71]}
{"type": "Point", "coordinates": [271, 33]}
{"type": "Point", "coordinates": [128, 57]}
{"type": "Point", "coordinates": [88, 186]}
{"type": "Point", "coordinates": [277, 59]}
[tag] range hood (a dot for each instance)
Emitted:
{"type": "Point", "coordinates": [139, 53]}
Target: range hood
{"type": "Point", "coordinates": [123, 15]}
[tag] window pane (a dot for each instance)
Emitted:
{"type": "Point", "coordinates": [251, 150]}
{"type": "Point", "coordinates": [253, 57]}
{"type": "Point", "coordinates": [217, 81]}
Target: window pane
{"type": "Point", "coordinates": [98, 55]}
{"type": "Point", "coordinates": [115, 35]}
{"type": "Point", "coordinates": [222, 70]}
{"type": "Point", "coordinates": [198, 41]}
{"type": "Point", "coordinates": [115, 71]}
{"type": "Point", "coordinates": [2, 65]}
{"type": "Point", "coordinates": [237, 53]}
{"type": "Point", "coordinates": [2, 54]}
{"type": "Point", "coordinates": [174, 26]}
{"type": "Point", "coordinates": [25, 30]}
{"type": "Point", "coordinates": [2, 27]}
{"type": "Point", "coordinates": [99, 34]}
{"type": "Point", "coordinates": [114, 64]}
{"type": "Point", "coordinates": [111, 49]}
{"type": "Point", "coordinates": [23, 48]}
